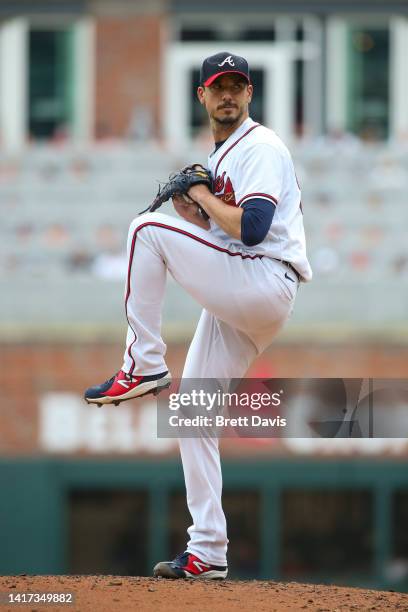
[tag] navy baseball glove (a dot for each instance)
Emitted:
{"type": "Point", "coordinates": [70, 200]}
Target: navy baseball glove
{"type": "Point", "coordinates": [179, 183]}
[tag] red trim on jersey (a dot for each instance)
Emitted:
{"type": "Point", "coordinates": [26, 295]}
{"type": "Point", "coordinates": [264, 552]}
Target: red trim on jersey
{"type": "Point", "coordinates": [179, 231]}
{"type": "Point", "coordinates": [232, 146]}
{"type": "Point", "coordinates": [258, 195]}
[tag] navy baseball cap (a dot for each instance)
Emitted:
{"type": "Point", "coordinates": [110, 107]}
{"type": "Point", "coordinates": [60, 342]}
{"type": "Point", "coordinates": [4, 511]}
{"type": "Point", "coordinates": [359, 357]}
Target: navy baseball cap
{"type": "Point", "coordinates": [223, 63]}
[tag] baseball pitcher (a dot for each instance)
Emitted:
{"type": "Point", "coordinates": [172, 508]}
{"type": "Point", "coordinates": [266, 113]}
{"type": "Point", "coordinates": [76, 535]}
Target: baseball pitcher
{"type": "Point", "coordinates": [239, 249]}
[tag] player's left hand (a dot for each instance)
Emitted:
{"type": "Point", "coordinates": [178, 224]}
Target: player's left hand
{"type": "Point", "coordinates": [180, 183]}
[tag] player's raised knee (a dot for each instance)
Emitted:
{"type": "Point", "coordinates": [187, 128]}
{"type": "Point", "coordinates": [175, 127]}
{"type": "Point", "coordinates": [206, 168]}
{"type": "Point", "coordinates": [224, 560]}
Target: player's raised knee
{"type": "Point", "coordinates": [149, 218]}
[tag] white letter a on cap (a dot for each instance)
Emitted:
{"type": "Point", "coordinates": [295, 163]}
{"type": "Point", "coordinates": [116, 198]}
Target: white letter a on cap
{"type": "Point", "coordinates": [228, 60]}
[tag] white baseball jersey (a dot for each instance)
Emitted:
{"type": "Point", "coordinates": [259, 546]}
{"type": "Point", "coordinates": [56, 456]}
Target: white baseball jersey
{"type": "Point", "coordinates": [254, 163]}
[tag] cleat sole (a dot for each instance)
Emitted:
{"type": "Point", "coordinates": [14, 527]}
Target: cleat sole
{"type": "Point", "coordinates": [160, 389]}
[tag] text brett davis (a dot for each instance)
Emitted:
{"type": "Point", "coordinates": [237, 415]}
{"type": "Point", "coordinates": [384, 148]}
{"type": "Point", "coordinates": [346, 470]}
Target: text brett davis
{"type": "Point", "coordinates": [222, 421]}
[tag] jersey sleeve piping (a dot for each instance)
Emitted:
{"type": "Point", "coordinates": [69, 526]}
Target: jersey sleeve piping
{"type": "Point", "coordinates": [263, 196]}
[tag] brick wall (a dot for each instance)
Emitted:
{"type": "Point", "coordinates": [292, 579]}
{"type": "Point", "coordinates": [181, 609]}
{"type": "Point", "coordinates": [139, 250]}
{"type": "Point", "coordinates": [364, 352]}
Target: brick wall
{"type": "Point", "coordinates": [127, 70]}
{"type": "Point", "coordinates": [28, 371]}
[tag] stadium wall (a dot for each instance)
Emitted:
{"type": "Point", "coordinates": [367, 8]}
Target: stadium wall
{"type": "Point", "coordinates": [52, 520]}
{"type": "Point", "coordinates": [32, 371]}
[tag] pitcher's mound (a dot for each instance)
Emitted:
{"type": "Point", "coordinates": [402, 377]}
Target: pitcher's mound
{"type": "Point", "coordinates": [125, 594]}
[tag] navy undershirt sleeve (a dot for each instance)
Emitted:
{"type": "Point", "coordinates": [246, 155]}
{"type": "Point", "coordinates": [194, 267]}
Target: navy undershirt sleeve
{"type": "Point", "coordinates": [256, 220]}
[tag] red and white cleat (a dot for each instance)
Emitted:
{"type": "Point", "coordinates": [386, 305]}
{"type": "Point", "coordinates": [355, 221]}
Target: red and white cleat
{"type": "Point", "coordinates": [187, 565]}
{"type": "Point", "coordinates": [122, 387]}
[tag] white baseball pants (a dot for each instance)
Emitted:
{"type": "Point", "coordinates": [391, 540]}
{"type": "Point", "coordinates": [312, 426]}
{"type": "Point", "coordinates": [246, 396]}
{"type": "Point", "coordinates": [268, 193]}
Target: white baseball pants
{"type": "Point", "coordinates": [246, 299]}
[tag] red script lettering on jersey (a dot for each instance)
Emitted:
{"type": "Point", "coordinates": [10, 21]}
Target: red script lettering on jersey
{"type": "Point", "coordinates": [224, 190]}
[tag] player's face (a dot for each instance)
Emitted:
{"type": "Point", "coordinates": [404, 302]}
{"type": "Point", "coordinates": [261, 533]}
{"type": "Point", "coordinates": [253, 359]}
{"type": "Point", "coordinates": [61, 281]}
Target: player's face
{"type": "Point", "coordinates": [226, 99]}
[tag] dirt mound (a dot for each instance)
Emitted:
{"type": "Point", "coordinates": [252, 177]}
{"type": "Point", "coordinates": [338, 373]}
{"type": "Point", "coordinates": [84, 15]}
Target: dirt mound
{"type": "Point", "coordinates": [122, 593]}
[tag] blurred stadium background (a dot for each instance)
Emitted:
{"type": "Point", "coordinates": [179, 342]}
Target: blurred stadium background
{"type": "Point", "coordinates": [97, 104]}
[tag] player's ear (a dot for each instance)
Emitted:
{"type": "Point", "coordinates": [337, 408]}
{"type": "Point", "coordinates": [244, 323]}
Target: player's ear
{"type": "Point", "coordinates": [250, 91]}
{"type": "Point", "coordinates": [200, 94]}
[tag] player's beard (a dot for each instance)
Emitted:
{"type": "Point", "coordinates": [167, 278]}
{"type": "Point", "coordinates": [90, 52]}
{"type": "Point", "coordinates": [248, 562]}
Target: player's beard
{"type": "Point", "coordinates": [231, 120]}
